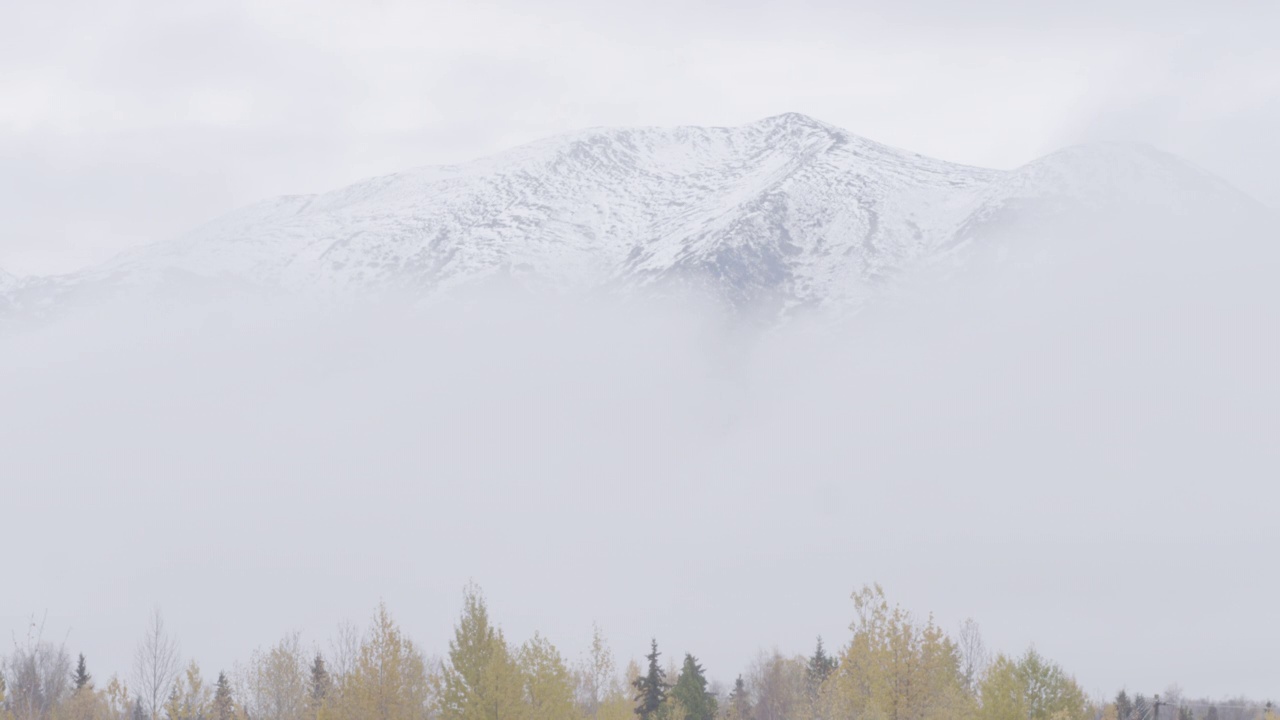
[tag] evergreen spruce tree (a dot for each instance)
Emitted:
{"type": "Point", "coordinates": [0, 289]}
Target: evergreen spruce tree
{"type": "Point", "coordinates": [1213, 713]}
{"type": "Point", "coordinates": [1124, 707]}
{"type": "Point", "coordinates": [820, 667]}
{"type": "Point", "coordinates": [321, 682]}
{"type": "Point", "coordinates": [651, 688]}
{"type": "Point", "coordinates": [816, 671]}
{"type": "Point", "coordinates": [81, 679]}
{"type": "Point", "coordinates": [138, 712]}
{"type": "Point", "coordinates": [739, 701]}
{"type": "Point", "coordinates": [690, 693]}
{"type": "Point", "coordinates": [1184, 713]}
{"type": "Point", "coordinates": [224, 707]}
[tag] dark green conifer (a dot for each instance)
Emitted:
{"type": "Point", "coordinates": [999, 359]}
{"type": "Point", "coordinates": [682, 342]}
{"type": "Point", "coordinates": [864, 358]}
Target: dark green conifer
{"type": "Point", "coordinates": [690, 692]}
{"type": "Point", "coordinates": [818, 669]}
{"type": "Point", "coordinates": [81, 678]}
{"type": "Point", "coordinates": [739, 701]}
{"type": "Point", "coordinates": [224, 707]}
{"type": "Point", "coordinates": [651, 688]}
{"type": "Point", "coordinates": [321, 682]}
{"type": "Point", "coordinates": [1124, 707]}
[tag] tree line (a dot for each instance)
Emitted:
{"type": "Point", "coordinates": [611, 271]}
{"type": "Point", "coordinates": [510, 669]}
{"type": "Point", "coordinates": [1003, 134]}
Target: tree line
{"type": "Point", "coordinates": [895, 666]}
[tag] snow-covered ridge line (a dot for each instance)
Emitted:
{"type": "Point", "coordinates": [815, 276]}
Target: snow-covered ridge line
{"type": "Point", "coordinates": [785, 212]}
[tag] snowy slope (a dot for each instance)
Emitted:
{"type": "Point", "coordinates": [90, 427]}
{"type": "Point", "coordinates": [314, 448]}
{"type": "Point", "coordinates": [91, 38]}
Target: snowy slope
{"type": "Point", "coordinates": [781, 213]}
{"type": "Point", "coordinates": [1093, 181]}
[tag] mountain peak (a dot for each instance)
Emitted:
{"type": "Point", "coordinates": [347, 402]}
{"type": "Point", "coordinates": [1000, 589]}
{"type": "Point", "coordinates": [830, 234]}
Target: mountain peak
{"type": "Point", "coordinates": [784, 212]}
{"type": "Point", "coordinates": [794, 120]}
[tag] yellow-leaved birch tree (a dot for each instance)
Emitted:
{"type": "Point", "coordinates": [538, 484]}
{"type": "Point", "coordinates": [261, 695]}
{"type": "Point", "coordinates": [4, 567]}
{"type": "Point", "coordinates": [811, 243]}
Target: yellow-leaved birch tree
{"type": "Point", "coordinates": [481, 680]}
{"type": "Point", "coordinates": [896, 667]}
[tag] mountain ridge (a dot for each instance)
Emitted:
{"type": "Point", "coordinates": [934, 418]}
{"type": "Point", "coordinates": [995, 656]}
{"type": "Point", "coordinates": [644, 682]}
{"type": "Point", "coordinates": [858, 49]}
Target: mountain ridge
{"type": "Point", "coordinates": [784, 213]}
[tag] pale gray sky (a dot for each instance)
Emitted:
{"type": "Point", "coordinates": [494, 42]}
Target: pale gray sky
{"type": "Point", "coordinates": [132, 121]}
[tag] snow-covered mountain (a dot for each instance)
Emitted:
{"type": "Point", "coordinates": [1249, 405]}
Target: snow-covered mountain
{"type": "Point", "coordinates": [783, 213]}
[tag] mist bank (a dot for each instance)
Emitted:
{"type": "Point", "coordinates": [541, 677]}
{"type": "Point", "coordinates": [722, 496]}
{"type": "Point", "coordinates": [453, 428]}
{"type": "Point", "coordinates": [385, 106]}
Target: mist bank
{"type": "Point", "coordinates": [1073, 440]}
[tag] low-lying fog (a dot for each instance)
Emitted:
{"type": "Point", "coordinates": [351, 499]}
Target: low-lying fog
{"type": "Point", "coordinates": [1081, 455]}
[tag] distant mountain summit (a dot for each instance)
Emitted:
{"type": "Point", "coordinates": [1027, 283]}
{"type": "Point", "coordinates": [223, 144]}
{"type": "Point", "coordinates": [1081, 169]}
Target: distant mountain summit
{"type": "Point", "coordinates": [778, 215]}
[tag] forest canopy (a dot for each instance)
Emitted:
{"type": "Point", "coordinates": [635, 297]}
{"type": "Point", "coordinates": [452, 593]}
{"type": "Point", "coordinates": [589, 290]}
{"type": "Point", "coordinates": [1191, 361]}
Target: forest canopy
{"type": "Point", "coordinates": [894, 665]}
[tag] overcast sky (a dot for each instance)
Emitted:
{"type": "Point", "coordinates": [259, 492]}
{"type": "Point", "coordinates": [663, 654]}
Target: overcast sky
{"type": "Point", "coordinates": [134, 120]}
